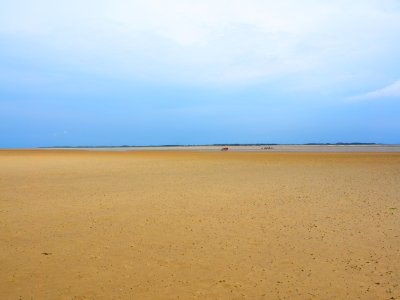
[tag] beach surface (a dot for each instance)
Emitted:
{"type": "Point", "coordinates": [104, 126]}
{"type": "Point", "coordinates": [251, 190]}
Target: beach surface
{"type": "Point", "coordinates": [199, 225]}
{"type": "Point", "coordinates": [251, 148]}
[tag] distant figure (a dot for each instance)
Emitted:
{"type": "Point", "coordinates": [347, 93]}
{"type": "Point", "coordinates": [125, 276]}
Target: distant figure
{"type": "Point", "coordinates": [267, 148]}
{"type": "Point", "coordinates": [224, 149]}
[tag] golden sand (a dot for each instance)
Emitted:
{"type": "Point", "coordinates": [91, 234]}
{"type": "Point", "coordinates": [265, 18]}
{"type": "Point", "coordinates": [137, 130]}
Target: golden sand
{"type": "Point", "coordinates": [169, 225]}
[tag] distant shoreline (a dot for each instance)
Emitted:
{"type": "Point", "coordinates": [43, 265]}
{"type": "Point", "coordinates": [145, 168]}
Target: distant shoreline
{"type": "Point", "coordinates": [309, 147]}
{"type": "Point", "coordinates": [221, 145]}
{"type": "Point", "coordinates": [243, 148]}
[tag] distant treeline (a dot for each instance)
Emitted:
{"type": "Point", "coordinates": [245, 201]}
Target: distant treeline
{"type": "Point", "coordinates": [217, 145]}
{"type": "Point", "coordinates": [132, 146]}
{"type": "Point", "coordinates": [347, 144]}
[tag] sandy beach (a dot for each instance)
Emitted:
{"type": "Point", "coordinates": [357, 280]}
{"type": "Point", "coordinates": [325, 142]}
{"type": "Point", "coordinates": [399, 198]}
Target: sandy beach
{"type": "Point", "coordinates": [199, 225]}
{"type": "Point", "coordinates": [252, 148]}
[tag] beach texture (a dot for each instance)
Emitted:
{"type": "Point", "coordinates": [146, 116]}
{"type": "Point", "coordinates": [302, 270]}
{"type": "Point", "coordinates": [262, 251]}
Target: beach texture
{"type": "Point", "coordinates": [199, 225]}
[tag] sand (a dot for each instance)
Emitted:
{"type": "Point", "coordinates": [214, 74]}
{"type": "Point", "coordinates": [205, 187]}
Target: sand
{"type": "Point", "coordinates": [206, 225]}
{"type": "Point", "coordinates": [254, 148]}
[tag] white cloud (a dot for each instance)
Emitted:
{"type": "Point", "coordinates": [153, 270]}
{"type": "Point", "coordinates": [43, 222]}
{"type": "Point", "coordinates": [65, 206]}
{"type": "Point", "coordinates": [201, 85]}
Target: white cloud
{"type": "Point", "coordinates": [388, 92]}
{"type": "Point", "coordinates": [209, 41]}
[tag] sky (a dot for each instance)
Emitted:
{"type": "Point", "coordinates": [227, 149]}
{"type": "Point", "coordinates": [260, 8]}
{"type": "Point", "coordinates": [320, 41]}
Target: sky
{"type": "Point", "coordinates": [156, 72]}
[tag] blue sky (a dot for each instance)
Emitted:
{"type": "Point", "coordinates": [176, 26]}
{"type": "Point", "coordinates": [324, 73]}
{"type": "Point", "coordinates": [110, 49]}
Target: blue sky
{"type": "Point", "coordinates": [198, 72]}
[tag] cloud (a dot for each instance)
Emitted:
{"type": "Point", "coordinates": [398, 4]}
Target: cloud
{"type": "Point", "coordinates": [388, 92]}
{"type": "Point", "coordinates": [209, 41]}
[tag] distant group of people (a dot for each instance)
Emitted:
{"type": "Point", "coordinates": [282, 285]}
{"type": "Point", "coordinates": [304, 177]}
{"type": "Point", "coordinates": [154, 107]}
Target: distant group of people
{"type": "Point", "coordinates": [263, 148]}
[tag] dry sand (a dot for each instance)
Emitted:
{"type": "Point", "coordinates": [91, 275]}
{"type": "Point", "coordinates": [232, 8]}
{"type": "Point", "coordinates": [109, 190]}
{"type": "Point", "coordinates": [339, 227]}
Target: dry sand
{"type": "Point", "coordinates": [207, 225]}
